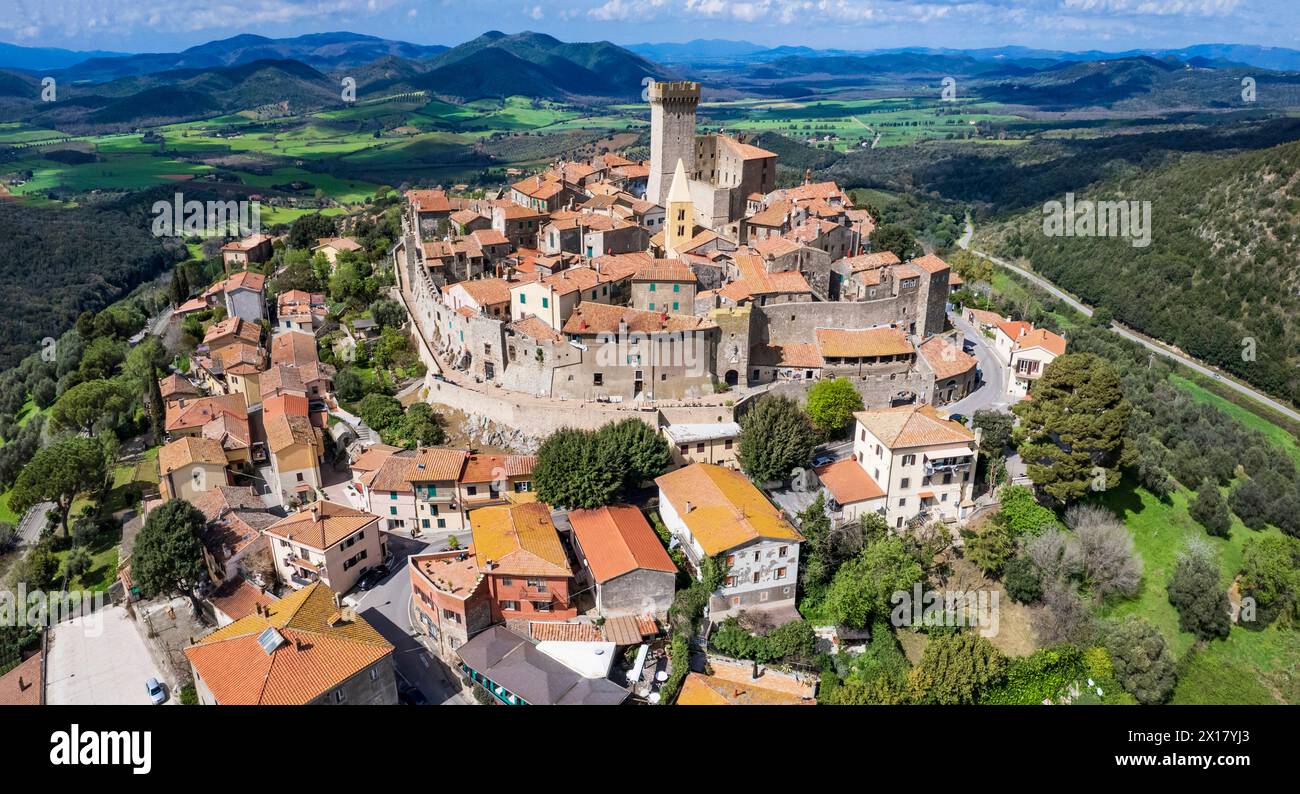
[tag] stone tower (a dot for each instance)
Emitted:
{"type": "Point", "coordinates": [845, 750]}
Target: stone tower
{"type": "Point", "coordinates": [672, 134]}
{"type": "Point", "coordinates": [679, 220]}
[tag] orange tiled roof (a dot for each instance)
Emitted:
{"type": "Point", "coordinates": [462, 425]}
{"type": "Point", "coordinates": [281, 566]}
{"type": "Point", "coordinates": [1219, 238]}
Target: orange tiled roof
{"type": "Point", "coordinates": [321, 524]}
{"type": "Point", "coordinates": [323, 647]}
{"type": "Point", "coordinates": [590, 318]}
{"type": "Point", "coordinates": [796, 354]}
{"type": "Point", "coordinates": [913, 425]}
{"type": "Point", "coordinates": [930, 264]}
{"type": "Point", "coordinates": [726, 509]}
{"type": "Point", "coordinates": [519, 539]}
{"type": "Point", "coordinates": [186, 414]}
{"type": "Point", "coordinates": [1041, 337]}
{"type": "Point", "coordinates": [848, 482]}
{"type": "Point", "coordinates": [22, 686]}
{"type": "Point", "coordinates": [616, 540]}
{"type": "Point", "coordinates": [867, 342]}
{"type": "Point", "coordinates": [946, 359]}
{"type": "Point", "coordinates": [706, 690]}
{"type": "Point", "coordinates": [485, 468]}
{"type": "Point", "coordinates": [190, 449]}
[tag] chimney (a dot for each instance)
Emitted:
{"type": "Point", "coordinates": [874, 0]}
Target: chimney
{"type": "Point", "coordinates": [689, 506]}
{"type": "Point", "coordinates": [960, 338]}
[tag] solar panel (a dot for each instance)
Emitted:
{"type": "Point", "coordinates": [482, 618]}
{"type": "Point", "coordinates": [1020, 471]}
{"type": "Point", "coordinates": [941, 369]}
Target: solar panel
{"type": "Point", "coordinates": [270, 640]}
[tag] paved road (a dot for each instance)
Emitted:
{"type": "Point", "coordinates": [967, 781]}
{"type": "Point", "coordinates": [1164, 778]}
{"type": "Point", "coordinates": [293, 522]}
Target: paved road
{"type": "Point", "coordinates": [33, 521]}
{"type": "Point", "coordinates": [387, 607]}
{"type": "Point", "coordinates": [1155, 347]}
{"type": "Point", "coordinates": [991, 394]}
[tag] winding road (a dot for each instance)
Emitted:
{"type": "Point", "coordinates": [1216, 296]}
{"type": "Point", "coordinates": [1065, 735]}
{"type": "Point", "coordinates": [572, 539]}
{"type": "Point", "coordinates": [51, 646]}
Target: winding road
{"type": "Point", "coordinates": [1150, 344]}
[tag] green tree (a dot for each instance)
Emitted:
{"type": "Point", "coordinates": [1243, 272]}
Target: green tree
{"type": "Point", "coordinates": [380, 411]}
{"type": "Point", "coordinates": [1209, 509]}
{"type": "Point", "coordinates": [831, 405]}
{"type": "Point", "coordinates": [348, 385]}
{"type": "Point", "coordinates": [996, 427]}
{"type": "Point", "coordinates": [1195, 592]}
{"type": "Point", "coordinates": [776, 437]}
{"type": "Point", "coordinates": [58, 473]}
{"type": "Point", "coordinates": [422, 426]}
{"type": "Point", "coordinates": [863, 587]}
{"type": "Point", "coordinates": [989, 546]}
{"type": "Point", "coordinates": [388, 313]}
{"type": "Point", "coordinates": [77, 562]}
{"type": "Point", "coordinates": [168, 552]}
{"type": "Point", "coordinates": [575, 470]}
{"type": "Point", "coordinates": [896, 238]}
{"type": "Point", "coordinates": [1270, 574]}
{"type": "Point", "coordinates": [646, 451]}
{"type": "Point", "coordinates": [1023, 580]}
{"type": "Point", "coordinates": [956, 669]}
{"type": "Point", "coordinates": [39, 569]}
{"type": "Point", "coordinates": [85, 405]}
{"type": "Point", "coordinates": [1021, 513]}
{"type": "Point", "coordinates": [1143, 664]}
{"type": "Point", "coordinates": [1075, 427]}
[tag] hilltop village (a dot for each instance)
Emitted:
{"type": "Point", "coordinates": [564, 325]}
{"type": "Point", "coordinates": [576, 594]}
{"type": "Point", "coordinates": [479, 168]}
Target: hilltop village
{"type": "Point", "coordinates": [654, 307]}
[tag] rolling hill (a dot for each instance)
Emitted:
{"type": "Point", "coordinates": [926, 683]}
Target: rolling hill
{"type": "Point", "coordinates": [1218, 279]}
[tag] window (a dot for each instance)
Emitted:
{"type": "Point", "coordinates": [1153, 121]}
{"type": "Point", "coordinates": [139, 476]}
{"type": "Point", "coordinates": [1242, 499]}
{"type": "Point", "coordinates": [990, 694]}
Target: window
{"type": "Point", "coordinates": [442, 523]}
{"type": "Point", "coordinates": [731, 560]}
{"type": "Point", "coordinates": [546, 303]}
{"type": "Point", "coordinates": [541, 606]}
{"type": "Point", "coordinates": [374, 674]}
{"type": "Point", "coordinates": [338, 696]}
{"type": "Point", "coordinates": [727, 444]}
{"type": "Point", "coordinates": [392, 511]}
{"type": "Point", "coordinates": [651, 306]}
{"type": "Point", "coordinates": [677, 288]}
{"type": "Point", "coordinates": [908, 460]}
{"type": "Point", "coordinates": [424, 522]}
{"type": "Point", "coordinates": [675, 306]}
{"type": "Point", "coordinates": [652, 287]}
{"type": "Point", "coordinates": [730, 581]}
{"type": "Point", "coordinates": [471, 490]}
{"type": "Point", "coordinates": [699, 447]}
{"type": "Point", "coordinates": [906, 482]}
{"type": "Point", "coordinates": [598, 379]}
{"type": "Point", "coordinates": [506, 581]}
{"type": "Point", "coordinates": [685, 448]}
{"type": "Point", "coordinates": [779, 573]}
{"type": "Point", "coordinates": [523, 298]}
{"type": "Point", "coordinates": [756, 577]}
{"type": "Point", "coordinates": [781, 552]}
{"type": "Point", "coordinates": [902, 502]}
{"type": "Point", "coordinates": [392, 495]}
{"type": "Point", "coordinates": [299, 476]}
{"type": "Point", "coordinates": [447, 614]}
{"type": "Point", "coordinates": [510, 606]}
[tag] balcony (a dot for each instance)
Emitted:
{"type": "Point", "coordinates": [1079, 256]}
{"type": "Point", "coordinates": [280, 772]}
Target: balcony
{"type": "Point", "coordinates": [945, 465]}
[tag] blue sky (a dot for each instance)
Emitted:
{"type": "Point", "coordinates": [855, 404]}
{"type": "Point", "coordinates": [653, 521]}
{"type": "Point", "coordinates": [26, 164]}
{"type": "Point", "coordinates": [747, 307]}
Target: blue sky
{"type": "Point", "coordinates": [141, 25]}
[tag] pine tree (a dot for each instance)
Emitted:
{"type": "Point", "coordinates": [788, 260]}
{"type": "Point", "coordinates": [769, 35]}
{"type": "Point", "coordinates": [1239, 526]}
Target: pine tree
{"type": "Point", "coordinates": [1210, 510]}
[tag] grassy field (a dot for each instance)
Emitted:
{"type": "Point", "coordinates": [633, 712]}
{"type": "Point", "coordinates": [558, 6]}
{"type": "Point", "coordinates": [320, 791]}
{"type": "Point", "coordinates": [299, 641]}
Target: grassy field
{"type": "Point", "coordinates": [1250, 666]}
{"type": "Point", "coordinates": [1278, 436]}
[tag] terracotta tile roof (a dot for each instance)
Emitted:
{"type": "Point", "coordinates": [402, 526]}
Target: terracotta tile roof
{"type": "Point", "coordinates": [555, 631]}
{"type": "Point", "coordinates": [538, 187]}
{"type": "Point", "coordinates": [246, 279]}
{"type": "Point", "coordinates": [230, 429]}
{"type": "Point", "coordinates": [616, 267]}
{"type": "Point", "coordinates": [872, 261]}
{"type": "Point", "coordinates": [985, 318]}
{"type": "Point", "coordinates": [234, 328]}
{"type": "Point", "coordinates": [338, 243]}
{"type": "Point", "coordinates": [238, 598]}
{"type": "Point", "coordinates": [946, 359]}
{"type": "Point", "coordinates": [665, 270]}
{"type": "Point", "coordinates": [235, 515]}
{"type": "Point", "coordinates": [434, 464]}
{"type": "Point", "coordinates": [485, 468]}
{"type": "Point", "coordinates": [240, 358]}
{"type": "Point", "coordinates": [883, 341]}
{"type": "Point", "coordinates": [797, 354]}
{"type": "Point", "coordinates": [323, 647]}
{"type": "Point", "coordinates": [289, 404]}
{"type": "Point", "coordinates": [773, 246]}
{"type": "Point", "coordinates": [190, 449]}
{"type": "Point", "coordinates": [706, 690]}
{"type": "Point", "coordinates": [293, 348]}
{"type": "Point", "coordinates": [489, 237]}
{"type": "Point", "coordinates": [758, 281]}
{"type": "Point", "coordinates": [429, 200]}
{"type": "Point", "coordinates": [746, 151]}
{"type": "Point", "coordinates": [1014, 328]}
{"type": "Point", "coordinates": [246, 244]}
{"type": "Point", "coordinates": [176, 385]}
{"type": "Point", "coordinates": [287, 430]}
{"type": "Point", "coordinates": [726, 509]}
{"type": "Point", "coordinates": [848, 482]}
{"type": "Point", "coordinates": [536, 328]}
{"type": "Point", "coordinates": [616, 540]}
{"type": "Point", "coordinates": [912, 426]}
{"type": "Point", "coordinates": [589, 319]}
{"type": "Point", "coordinates": [573, 278]}
{"type": "Point", "coordinates": [930, 264]}
{"type": "Point", "coordinates": [813, 191]}
{"type": "Point", "coordinates": [485, 291]}
{"type": "Point", "coordinates": [775, 215]}
{"type": "Point", "coordinates": [22, 686]}
{"type": "Point", "coordinates": [321, 524]}
{"type": "Point", "coordinates": [519, 539]}
{"type": "Point", "coordinates": [373, 457]}
{"type": "Point", "coordinates": [186, 414]}
{"type": "Point", "coordinates": [1041, 337]}
{"type": "Point", "coordinates": [811, 230]}
{"type": "Point", "coordinates": [282, 379]}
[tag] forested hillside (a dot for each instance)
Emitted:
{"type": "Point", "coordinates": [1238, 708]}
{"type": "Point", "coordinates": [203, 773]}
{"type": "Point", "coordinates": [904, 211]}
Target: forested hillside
{"type": "Point", "coordinates": [1219, 279]}
{"type": "Point", "coordinates": [57, 263]}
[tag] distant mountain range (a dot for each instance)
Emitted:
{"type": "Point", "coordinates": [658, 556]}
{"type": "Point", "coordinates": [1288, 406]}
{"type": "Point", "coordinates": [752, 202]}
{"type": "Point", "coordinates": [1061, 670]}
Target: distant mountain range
{"type": "Point", "coordinates": [302, 74]}
{"type": "Point", "coordinates": [705, 52]}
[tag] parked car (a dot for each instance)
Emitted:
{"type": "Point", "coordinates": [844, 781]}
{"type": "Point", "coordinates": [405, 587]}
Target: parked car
{"type": "Point", "coordinates": [371, 578]}
{"type": "Point", "coordinates": [823, 459]}
{"type": "Point", "coordinates": [968, 346]}
{"type": "Point", "coordinates": [156, 692]}
{"type": "Point", "coordinates": [409, 695]}
{"type": "Point", "coordinates": [958, 418]}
